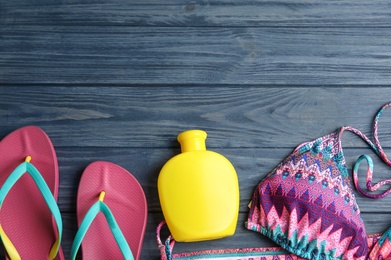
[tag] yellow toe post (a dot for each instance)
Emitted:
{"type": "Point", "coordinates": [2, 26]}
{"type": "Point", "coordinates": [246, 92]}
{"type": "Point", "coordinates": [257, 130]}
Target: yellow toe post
{"type": "Point", "coordinates": [28, 158]}
{"type": "Point", "coordinates": [54, 250]}
{"type": "Point", "coordinates": [102, 195]}
{"type": "Point", "coordinates": [9, 247]}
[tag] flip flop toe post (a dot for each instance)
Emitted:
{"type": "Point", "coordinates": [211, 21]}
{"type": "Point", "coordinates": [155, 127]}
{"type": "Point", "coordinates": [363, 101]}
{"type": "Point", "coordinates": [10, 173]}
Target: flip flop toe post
{"type": "Point", "coordinates": [111, 212]}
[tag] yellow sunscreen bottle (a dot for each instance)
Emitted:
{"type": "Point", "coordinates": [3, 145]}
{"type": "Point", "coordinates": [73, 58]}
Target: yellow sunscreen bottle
{"type": "Point", "coordinates": [198, 191]}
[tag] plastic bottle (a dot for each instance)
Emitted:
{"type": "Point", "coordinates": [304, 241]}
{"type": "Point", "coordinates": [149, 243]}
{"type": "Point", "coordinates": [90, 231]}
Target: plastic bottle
{"type": "Point", "coordinates": [198, 191]}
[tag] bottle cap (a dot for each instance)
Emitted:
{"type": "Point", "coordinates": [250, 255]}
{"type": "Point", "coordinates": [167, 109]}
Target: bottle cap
{"type": "Point", "coordinates": [192, 140]}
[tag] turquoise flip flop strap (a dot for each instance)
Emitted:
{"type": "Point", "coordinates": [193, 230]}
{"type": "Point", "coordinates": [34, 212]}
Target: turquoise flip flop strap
{"type": "Point", "coordinates": [27, 167]}
{"type": "Point", "coordinates": [97, 207]}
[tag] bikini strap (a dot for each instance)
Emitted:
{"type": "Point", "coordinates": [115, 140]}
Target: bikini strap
{"type": "Point", "coordinates": [375, 145]}
{"type": "Point", "coordinates": [166, 248]}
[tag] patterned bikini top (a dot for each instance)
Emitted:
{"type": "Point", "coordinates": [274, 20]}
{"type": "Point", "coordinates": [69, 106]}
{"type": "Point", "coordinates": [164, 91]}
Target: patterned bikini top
{"type": "Point", "coordinates": [307, 206]}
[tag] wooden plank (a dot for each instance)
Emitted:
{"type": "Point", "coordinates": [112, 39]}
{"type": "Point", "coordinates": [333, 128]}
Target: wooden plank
{"type": "Point", "coordinates": [375, 223]}
{"type": "Point", "coordinates": [180, 13]}
{"type": "Point", "coordinates": [234, 117]}
{"type": "Point", "coordinates": [117, 81]}
{"type": "Point", "coordinates": [252, 165]}
{"type": "Point", "coordinates": [194, 56]}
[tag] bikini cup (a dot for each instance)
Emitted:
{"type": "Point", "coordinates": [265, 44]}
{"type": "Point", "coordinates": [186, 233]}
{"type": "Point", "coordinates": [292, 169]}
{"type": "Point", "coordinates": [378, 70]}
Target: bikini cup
{"type": "Point", "coordinates": [307, 206]}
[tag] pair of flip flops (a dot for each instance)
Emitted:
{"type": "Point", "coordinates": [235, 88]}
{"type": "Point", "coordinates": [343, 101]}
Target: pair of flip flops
{"type": "Point", "coordinates": [111, 205]}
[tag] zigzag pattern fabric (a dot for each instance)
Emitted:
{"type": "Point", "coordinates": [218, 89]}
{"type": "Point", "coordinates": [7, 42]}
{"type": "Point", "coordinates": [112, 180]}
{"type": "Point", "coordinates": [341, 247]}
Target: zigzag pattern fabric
{"type": "Point", "coordinates": [306, 204]}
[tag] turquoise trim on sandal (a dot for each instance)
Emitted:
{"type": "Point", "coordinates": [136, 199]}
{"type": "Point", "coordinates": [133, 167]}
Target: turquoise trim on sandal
{"type": "Point", "coordinates": [97, 207]}
{"type": "Point", "coordinates": [27, 167]}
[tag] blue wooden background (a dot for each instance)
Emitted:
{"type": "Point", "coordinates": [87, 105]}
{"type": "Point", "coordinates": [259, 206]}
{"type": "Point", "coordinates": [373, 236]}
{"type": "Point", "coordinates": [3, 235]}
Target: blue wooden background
{"type": "Point", "coordinates": [118, 80]}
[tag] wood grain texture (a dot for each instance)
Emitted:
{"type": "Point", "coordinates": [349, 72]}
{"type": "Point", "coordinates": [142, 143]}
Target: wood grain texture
{"type": "Point", "coordinates": [200, 13]}
{"type": "Point", "coordinates": [118, 80]}
{"type": "Point", "coordinates": [233, 56]}
{"type": "Point", "coordinates": [251, 165]}
{"type": "Point", "coordinates": [235, 117]}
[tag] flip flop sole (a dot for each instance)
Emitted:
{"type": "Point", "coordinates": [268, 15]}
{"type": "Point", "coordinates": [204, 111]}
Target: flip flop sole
{"type": "Point", "coordinates": [25, 216]}
{"type": "Point", "coordinates": [125, 198]}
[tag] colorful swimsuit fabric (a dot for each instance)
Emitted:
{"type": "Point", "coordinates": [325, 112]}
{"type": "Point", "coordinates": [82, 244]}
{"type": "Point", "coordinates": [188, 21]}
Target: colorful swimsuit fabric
{"type": "Point", "coordinates": [307, 206]}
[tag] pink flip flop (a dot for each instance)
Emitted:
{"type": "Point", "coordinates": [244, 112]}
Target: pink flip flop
{"type": "Point", "coordinates": [30, 220]}
{"type": "Point", "coordinates": [111, 213]}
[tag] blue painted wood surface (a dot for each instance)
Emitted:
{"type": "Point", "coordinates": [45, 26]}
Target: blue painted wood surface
{"type": "Point", "coordinates": [118, 80]}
